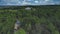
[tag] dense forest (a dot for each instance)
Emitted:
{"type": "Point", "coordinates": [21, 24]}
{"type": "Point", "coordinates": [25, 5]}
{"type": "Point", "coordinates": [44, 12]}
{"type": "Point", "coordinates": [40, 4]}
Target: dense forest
{"type": "Point", "coordinates": [37, 20]}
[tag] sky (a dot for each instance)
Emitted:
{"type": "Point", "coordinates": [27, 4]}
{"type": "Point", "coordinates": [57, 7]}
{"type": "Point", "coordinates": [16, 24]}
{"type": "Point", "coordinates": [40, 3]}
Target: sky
{"type": "Point", "coordinates": [29, 2]}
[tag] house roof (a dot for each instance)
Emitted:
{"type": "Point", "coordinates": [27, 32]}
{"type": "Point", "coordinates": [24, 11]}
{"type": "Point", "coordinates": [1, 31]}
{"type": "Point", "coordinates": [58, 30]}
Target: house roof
{"type": "Point", "coordinates": [17, 22]}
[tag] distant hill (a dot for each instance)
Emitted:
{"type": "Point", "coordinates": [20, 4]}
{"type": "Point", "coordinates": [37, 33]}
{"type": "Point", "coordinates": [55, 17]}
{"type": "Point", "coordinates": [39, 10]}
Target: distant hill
{"type": "Point", "coordinates": [18, 7]}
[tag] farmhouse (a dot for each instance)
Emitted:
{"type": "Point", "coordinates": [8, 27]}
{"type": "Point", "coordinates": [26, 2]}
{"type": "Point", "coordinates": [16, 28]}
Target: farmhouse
{"type": "Point", "coordinates": [17, 25]}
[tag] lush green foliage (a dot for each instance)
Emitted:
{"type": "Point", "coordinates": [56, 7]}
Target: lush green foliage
{"type": "Point", "coordinates": [38, 20]}
{"type": "Point", "coordinates": [20, 31]}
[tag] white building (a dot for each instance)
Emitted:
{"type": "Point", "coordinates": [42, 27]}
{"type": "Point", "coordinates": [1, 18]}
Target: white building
{"type": "Point", "coordinates": [28, 8]}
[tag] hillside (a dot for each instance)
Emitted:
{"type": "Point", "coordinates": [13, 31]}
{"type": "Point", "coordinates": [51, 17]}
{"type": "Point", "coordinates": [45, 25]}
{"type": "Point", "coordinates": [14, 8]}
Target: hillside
{"type": "Point", "coordinates": [37, 20]}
